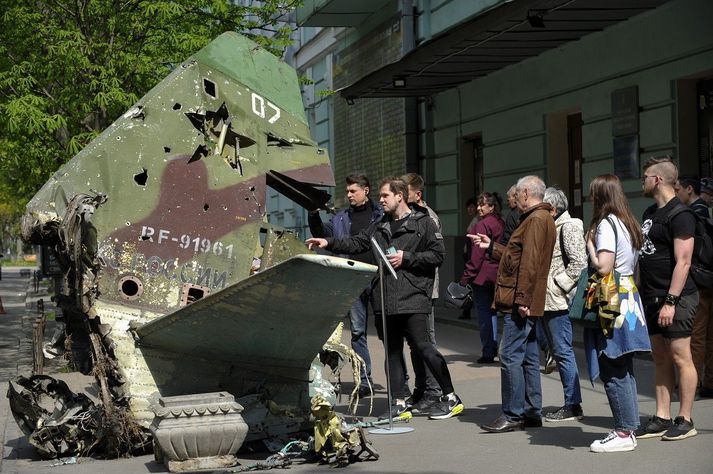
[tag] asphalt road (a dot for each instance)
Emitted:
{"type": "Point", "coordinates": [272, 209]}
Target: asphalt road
{"type": "Point", "coordinates": [449, 446]}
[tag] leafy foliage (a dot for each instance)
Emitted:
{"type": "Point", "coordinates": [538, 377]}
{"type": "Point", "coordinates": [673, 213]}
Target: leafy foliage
{"type": "Point", "coordinates": [69, 68]}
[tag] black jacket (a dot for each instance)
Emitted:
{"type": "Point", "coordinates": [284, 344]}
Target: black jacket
{"type": "Point", "coordinates": [423, 248]}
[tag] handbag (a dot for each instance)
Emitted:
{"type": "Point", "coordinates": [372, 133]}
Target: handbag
{"type": "Point", "coordinates": [596, 301]}
{"type": "Point", "coordinates": [459, 296]}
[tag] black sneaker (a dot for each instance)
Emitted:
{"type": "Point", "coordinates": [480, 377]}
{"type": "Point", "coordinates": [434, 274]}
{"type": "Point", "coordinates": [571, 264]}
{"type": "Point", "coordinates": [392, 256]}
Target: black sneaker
{"type": "Point", "coordinates": [424, 406]}
{"type": "Point", "coordinates": [486, 360]}
{"type": "Point", "coordinates": [446, 408]}
{"type": "Point", "coordinates": [397, 411]}
{"type": "Point", "coordinates": [566, 413]}
{"type": "Point", "coordinates": [681, 429]}
{"type": "Point", "coordinates": [654, 428]}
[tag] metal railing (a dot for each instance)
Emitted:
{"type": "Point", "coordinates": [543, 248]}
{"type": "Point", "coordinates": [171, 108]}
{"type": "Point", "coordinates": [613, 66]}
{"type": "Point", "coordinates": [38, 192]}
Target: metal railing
{"type": "Point", "coordinates": [38, 337]}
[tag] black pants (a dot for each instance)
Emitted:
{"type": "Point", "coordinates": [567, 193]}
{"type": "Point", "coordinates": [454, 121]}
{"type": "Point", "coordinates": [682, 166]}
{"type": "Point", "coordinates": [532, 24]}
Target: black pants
{"type": "Point", "coordinates": [414, 328]}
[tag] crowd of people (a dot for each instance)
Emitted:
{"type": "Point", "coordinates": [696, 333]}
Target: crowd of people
{"type": "Point", "coordinates": [525, 271]}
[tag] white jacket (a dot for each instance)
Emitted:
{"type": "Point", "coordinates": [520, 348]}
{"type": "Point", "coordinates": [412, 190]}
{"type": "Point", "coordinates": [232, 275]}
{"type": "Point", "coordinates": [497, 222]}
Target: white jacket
{"type": "Point", "coordinates": [561, 282]}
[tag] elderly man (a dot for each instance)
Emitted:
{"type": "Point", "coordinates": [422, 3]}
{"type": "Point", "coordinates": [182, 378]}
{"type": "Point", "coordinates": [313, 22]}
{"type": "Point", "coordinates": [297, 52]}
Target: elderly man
{"type": "Point", "coordinates": [520, 291]}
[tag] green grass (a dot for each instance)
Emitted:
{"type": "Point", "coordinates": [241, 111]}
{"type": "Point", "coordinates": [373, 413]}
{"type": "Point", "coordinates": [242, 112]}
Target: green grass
{"type": "Point", "coordinates": [17, 263]}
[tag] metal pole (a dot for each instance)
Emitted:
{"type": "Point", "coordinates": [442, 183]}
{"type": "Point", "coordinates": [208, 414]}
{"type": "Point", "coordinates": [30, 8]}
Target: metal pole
{"type": "Point", "coordinates": [391, 429]}
{"type": "Point", "coordinates": [386, 343]}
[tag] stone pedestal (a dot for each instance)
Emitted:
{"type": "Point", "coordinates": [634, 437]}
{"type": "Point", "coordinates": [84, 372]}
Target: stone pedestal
{"type": "Point", "coordinates": [200, 431]}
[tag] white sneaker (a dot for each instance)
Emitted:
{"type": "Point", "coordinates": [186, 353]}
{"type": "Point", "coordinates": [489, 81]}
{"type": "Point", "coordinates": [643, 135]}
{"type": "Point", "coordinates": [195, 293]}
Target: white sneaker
{"type": "Point", "coordinates": [613, 443]}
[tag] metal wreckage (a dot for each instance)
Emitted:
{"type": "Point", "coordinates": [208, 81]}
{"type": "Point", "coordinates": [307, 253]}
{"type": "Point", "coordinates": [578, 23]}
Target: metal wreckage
{"type": "Point", "coordinates": [175, 284]}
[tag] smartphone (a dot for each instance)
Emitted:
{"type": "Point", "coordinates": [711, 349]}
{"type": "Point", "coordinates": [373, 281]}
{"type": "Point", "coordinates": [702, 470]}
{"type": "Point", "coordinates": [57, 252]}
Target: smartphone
{"type": "Point", "coordinates": [391, 250]}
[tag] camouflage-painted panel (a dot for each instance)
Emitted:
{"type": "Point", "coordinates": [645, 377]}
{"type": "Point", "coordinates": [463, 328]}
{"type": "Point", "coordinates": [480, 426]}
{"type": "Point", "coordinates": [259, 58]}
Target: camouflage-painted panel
{"type": "Point", "coordinates": [184, 175]}
{"type": "Point", "coordinates": [294, 305]}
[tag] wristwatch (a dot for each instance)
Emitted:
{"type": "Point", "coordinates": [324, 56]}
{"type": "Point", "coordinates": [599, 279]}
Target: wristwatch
{"type": "Point", "coordinates": [671, 300]}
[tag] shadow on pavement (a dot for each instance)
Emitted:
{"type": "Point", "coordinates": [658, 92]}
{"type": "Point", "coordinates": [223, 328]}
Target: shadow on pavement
{"type": "Point", "coordinates": [20, 449]}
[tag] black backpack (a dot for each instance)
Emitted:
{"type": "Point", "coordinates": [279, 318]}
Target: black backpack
{"type": "Point", "coordinates": [702, 262]}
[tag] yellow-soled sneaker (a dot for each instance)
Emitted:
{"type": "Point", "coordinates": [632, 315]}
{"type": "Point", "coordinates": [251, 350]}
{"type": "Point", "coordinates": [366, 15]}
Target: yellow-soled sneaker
{"type": "Point", "coordinates": [447, 407]}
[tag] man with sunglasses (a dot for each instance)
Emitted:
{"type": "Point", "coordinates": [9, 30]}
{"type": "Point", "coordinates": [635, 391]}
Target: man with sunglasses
{"type": "Point", "coordinates": [670, 299]}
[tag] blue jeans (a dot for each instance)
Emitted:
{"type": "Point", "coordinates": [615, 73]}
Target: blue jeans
{"type": "Point", "coordinates": [487, 318]}
{"type": "Point", "coordinates": [620, 386]}
{"type": "Point", "coordinates": [542, 338]}
{"type": "Point", "coordinates": [558, 329]}
{"type": "Point", "coordinates": [357, 319]}
{"type": "Point", "coordinates": [520, 368]}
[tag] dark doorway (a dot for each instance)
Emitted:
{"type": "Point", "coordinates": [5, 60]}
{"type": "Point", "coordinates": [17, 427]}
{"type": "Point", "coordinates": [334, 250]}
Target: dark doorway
{"type": "Point", "coordinates": [705, 127]}
{"type": "Point", "coordinates": [471, 173]}
{"type": "Point", "coordinates": [574, 147]}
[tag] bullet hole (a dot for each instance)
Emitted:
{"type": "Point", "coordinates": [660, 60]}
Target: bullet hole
{"type": "Point", "coordinates": [177, 106]}
{"type": "Point", "coordinates": [141, 178]}
{"type": "Point", "coordinates": [247, 198]}
{"type": "Point", "coordinates": [167, 149]}
{"type": "Point", "coordinates": [206, 207]}
{"type": "Point", "coordinates": [145, 237]}
{"type": "Point", "coordinates": [210, 88]}
{"type": "Point", "coordinates": [252, 188]}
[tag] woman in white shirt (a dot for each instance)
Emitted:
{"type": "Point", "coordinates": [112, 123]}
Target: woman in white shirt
{"type": "Point", "coordinates": [613, 241]}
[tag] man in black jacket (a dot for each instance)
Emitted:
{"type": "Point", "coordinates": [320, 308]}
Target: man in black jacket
{"type": "Point", "coordinates": [361, 213]}
{"type": "Point", "coordinates": [415, 249]}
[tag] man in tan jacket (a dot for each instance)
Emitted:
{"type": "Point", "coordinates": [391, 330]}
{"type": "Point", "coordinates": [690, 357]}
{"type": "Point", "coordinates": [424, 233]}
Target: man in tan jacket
{"type": "Point", "coordinates": [520, 291]}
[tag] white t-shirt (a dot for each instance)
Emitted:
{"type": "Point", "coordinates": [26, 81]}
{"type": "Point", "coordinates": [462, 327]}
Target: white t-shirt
{"type": "Point", "coordinates": [626, 255]}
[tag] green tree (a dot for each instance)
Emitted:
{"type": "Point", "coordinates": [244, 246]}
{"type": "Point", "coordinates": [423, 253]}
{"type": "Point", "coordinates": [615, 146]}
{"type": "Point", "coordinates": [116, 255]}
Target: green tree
{"type": "Point", "coordinates": [69, 68]}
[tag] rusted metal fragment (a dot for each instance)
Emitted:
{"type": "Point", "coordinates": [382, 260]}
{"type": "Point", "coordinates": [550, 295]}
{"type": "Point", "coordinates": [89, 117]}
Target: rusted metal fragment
{"type": "Point", "coordinates": [76, 425]}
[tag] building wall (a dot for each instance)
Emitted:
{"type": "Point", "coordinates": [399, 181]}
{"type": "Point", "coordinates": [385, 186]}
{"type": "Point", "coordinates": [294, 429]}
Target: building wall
{"type": "Point", "coordinates": [437, 16]}
{"type": "Point", "coordinates": [369, 134]}
{"type": "Point", "coordinates": [311, 54]}
{"type": "Point", "coordinates": [518, 111]}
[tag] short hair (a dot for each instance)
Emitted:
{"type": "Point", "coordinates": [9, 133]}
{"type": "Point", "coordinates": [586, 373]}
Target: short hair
{"type": "Point", "coordinates": [359, 179]}
{"type": "Point", "coordinates": [664, 167]}
{"type": "Point", "coordinates": [534, 185]}
{"type": "Point", "coordinates": [491, 199]}
{"type": "Point", "coordinates": [414, 180]}
{"type": "Point", "coordinates": [557, 198]}
{"type": "Point", "coordinates": [396, 185]}
{"type": "Point", "coordinates": [471, 202]}
{"type": "Point", "coordinates": [692, 181]}
{"type": "Point", "coordinates": [512, 190]}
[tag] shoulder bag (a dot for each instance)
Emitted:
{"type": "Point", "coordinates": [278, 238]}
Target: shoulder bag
{"type": "Point", "coordinates": [596, 301]}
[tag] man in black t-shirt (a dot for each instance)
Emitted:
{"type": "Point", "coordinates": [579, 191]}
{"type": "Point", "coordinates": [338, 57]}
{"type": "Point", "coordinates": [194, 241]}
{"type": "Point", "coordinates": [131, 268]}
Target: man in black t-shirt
{"type": "Point", "coordinates": [670, 299]}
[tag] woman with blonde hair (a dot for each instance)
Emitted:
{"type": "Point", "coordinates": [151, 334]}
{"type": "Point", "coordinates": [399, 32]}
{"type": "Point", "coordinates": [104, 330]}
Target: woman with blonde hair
{"type": "Point", "coordinates": [613, 241]}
